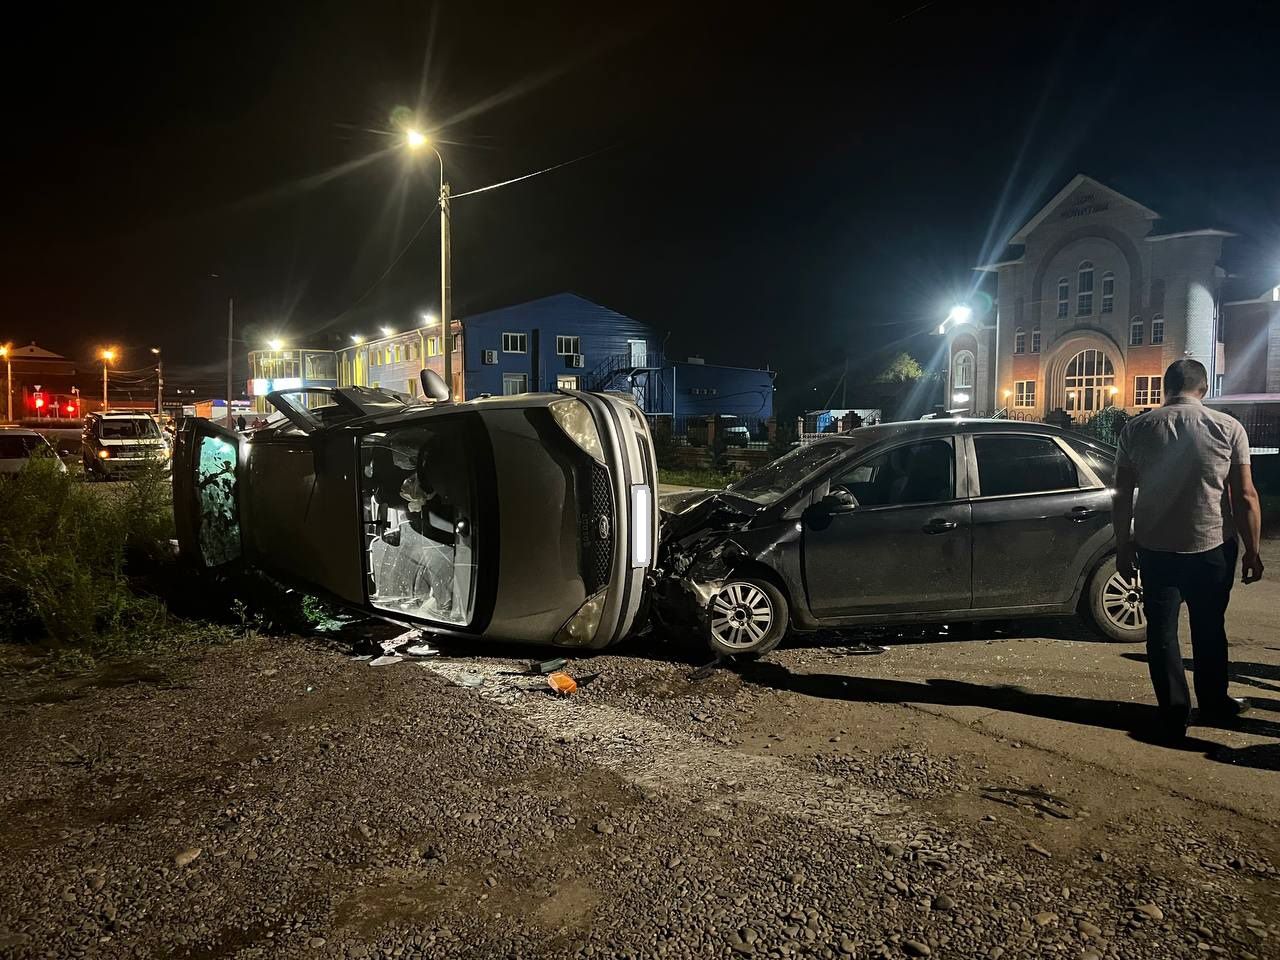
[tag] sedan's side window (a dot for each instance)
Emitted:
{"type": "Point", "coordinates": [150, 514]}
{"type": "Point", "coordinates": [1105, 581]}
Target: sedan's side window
{"type": "Point", "coordinates": [1010, 464]}
{"type": "Point", "coordinates": [916, 473]}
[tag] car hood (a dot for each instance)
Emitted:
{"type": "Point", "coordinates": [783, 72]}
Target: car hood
{"type": "Point", "coordinates": [685, 513]}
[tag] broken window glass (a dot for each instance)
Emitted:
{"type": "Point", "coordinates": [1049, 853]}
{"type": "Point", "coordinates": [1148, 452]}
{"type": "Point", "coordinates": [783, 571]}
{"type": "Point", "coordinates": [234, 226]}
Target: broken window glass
{"type": "Point", "coordinates": [419, 494]}
{"type": "Point", "coordinates": [219, 514]}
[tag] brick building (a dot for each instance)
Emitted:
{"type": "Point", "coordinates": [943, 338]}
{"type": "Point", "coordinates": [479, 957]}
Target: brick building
{"type": "Point", "coordinates": [1095, 298]}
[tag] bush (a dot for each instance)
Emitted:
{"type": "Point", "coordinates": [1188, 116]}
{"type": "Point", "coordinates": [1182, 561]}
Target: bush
{"type": "Point", "coordinates": [64, 548]}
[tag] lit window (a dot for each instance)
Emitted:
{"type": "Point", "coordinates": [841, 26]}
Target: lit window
{"type": "Point", "coordinates": [1089, 382]}
{"type": "Point", "coordinates": [1064, 297]}
{"type": "Point", "coordinates": [566, 382]}
{"type": "Point", "coordinates": [1035, 339]}
{"type": "Point", "coordinates": [1157, 328]}
{"type": "Point", "coordinates": [1148, 391]}
{"type": "Point", "coordinates": [1024, 393]}
{"type": "Point", "coordinates": [1019, 341]}
{"type": "Point", "coordinates": [567, 346]}
{"type": "Point", "coordinates": [962, 376]}
{"type": "Point", "coordinates": [514, 383]}
{"type": "Point", "coordinates": [1084, 289]}
{"type": "Point", "coordinates": [1135, 332]}
{"type": "Point", "coordinates": [1108, 292]}
{"type": "Point", "coordinates": [514, 343]}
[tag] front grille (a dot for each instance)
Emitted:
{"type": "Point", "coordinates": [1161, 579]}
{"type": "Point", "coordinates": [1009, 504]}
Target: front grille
{"type": "Point", "coordinates": [597, 531]}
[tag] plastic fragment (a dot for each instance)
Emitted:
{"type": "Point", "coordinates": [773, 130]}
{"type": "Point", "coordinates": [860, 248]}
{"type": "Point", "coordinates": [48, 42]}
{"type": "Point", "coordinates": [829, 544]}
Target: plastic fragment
{"type": "Point", "coordinates": [561, 683]}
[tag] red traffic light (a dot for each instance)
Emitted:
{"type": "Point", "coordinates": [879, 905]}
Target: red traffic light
{"type": "Point", "coordinates": [39, 401]}
{"type": "Point", "coordinates": [71, 408]}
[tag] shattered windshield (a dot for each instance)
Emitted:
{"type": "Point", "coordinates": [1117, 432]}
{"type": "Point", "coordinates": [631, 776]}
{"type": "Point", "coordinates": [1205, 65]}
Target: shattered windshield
{"type": "Point", "coordinates": [138, 428]}
{"type": "Point", "coordinates": [773, 480]}
{"type": "Point", "coordinates": [418, 491]}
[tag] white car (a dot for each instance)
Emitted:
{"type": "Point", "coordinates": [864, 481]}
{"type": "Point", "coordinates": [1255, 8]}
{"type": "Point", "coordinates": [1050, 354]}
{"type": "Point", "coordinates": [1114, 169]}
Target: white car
{"type": "Point", "coordinates": [19, 446]}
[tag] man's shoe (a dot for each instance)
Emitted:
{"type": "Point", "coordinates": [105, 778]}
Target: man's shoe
{"type": "Point", "coordinates": [1170, 729]}
{"type": "Point", "coordinates": [1225, 712]}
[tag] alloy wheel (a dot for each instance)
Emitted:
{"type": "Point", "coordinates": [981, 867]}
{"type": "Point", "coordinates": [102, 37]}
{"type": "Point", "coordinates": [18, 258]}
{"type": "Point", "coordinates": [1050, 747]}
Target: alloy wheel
{"type": "Point", "coordinates": [741, 615]}
{"type": "Point", "coordinates": [1122, 602]}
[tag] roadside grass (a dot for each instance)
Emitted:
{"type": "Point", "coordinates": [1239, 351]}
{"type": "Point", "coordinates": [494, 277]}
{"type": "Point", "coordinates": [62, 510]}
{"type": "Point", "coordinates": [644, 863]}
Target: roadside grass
{"type": "Point", "coordinates": [703, 479]}
{"type": "Point", "coordinates": [79, 564]}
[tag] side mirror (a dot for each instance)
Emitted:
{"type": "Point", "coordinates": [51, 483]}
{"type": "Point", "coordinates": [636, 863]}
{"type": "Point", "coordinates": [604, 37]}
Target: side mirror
{"type": "Point", "coordinates": [838, 501]}
{"type": "Point", "coordinates": [433, 385]}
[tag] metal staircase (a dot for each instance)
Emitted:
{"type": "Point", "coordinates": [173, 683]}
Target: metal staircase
{"type": "Point", "coordinates": [622, 373]}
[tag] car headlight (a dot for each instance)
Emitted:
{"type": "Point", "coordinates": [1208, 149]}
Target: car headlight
{"type": "Point", "coordinates": [573, 417]}
{"type": "Point", "coordinates": [580, 629]}
{"type": "Point", "coordinates": [104, 454]}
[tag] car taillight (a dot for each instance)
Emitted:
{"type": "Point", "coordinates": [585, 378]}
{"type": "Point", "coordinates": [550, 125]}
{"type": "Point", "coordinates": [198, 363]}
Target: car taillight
{"type": "Point", "coordinates": [573, 417]}
{"type": "Point", "coordinates": [580, 629]}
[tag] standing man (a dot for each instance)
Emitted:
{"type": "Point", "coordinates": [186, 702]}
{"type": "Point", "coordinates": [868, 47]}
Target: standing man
{"type": "Point", "coordinates": [1191, 467]}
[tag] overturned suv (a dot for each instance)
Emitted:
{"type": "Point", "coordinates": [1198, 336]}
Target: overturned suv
{"type": "Point", "coordinates": [941, 521]}
{"type": "Point", "coordinates": [525, 519]}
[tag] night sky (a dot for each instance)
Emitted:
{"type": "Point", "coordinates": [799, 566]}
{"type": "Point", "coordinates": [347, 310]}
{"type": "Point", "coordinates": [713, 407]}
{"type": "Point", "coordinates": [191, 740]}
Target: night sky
{"type": "Point", "coordinates": [773, 185]}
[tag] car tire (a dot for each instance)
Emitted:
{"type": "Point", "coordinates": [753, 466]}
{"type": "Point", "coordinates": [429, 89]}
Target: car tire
{"type": "Point", "coordinates": [747, 617]}
{"type": "Point", "coordinates": [1114, 605]}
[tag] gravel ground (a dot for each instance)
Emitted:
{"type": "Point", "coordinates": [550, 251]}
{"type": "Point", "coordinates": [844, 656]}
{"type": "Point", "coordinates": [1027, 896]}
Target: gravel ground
{"type": "Point", "coordinates": [278, 798]}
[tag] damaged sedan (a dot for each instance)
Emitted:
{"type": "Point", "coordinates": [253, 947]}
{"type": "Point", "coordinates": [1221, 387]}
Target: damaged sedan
{"type": "Point", "coordinates": [527, 519]}
{"type": "Point", "coordinates": [925, 522]}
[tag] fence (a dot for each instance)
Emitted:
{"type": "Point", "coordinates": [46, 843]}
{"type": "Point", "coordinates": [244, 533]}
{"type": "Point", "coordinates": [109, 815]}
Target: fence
{"type": "Point", "coordinates": [699, 430]}
{"type": "Point", "coordinates": [1263, 429]}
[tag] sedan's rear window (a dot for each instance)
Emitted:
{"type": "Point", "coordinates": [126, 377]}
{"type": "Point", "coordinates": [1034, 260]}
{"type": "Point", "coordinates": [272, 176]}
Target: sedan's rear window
{"type": "Point", "coordinates": [1010, 464]}
{"type": "Point", "coordinates": [20, 447]}
{"type": "Point", "coordinates": [1101, 460]}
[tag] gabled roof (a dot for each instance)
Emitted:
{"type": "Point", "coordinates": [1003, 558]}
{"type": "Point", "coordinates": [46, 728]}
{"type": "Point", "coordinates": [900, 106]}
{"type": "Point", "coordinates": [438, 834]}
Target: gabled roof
{"type": "Point", "coordinates": [32, 352]}
{"type": "Point", "coordinates": [1078, 181]}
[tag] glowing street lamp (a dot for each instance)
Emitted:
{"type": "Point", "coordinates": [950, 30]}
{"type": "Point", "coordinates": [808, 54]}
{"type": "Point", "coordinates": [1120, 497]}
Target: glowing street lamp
{"type": "Point", "coordinates": [356, 338]}
{"type": "Point", "coordinates": [275, 343]}
{"type": "Point", "coordinates": [388, 332]}
{"type": "Point", "coordinates": [416, 140]}
{"type": "Point", "coordinates": [429, 320]}
{"type": "Point", "coordinates": [108, 356]}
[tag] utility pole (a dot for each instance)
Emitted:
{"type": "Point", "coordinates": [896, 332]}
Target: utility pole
{"type": "Point", "coordinates": [159, 382]}
{"type": "Point", "coordinates": [104, 384]}
{"type": "Point", "coordinates": [8, 380]}
{"type": "Point", "coordinates": [231, 315]}
{"type": "Point", "coordinates": [446, 282]}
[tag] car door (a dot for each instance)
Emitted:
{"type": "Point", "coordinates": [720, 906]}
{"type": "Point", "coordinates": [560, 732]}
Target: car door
{"type": "Point", "coordinates": [901, 544]}
{"type": "Point", "coordinates": [1038, 515]}
{"type": "Point", "coordinates": [208, 466]}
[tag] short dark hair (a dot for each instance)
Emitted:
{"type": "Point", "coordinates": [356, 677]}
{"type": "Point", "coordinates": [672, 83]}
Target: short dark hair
{"type": "Point", "coordinates": [1186, 376]}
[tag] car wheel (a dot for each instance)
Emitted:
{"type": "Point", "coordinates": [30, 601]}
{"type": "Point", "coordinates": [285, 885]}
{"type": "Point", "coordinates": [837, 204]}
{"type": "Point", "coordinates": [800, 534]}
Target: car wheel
{"type": "Point", "coordinates": [1114, 604]}
{"type": "Point", "coordinates": [746, 617]}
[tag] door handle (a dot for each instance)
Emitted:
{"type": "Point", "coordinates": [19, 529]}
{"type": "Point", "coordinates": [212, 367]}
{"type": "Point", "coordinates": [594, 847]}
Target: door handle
{"type": "Point", "coordinates": [939, 525]}
{"type": "Point", "coordinates": [1081, 514]}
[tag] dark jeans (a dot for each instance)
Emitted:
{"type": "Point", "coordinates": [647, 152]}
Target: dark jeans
{"type": "Point", "coordinates": [1204, 581]}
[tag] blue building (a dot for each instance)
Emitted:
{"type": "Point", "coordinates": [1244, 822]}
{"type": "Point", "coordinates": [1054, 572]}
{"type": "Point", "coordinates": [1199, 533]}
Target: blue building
{"type": "Point", "coordinates": [560, 342]}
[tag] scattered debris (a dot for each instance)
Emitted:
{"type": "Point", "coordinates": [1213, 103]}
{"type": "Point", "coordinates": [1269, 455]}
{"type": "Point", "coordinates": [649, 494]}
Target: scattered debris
{"type": "Point", "coordinates": [707, 669]}
{"type": "Point", "coordinates": [562, 683]}
{"type": "Point", "coordinates": [544, 667]}
{"type": "Point", "coordinates": [469, 680]}
{"type": "Point", "coordinates": [421, 650]}
{"type": "Point", "coordinates": [385, 660]}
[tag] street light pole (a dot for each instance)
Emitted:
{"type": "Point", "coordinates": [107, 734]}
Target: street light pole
{"type": "Point", "coordinates": [8, 381]}
{"type": "Point", "coordinates": [107, 357]}
{"type": "Point", "coordinates": [446, 282]}
{"type": "Point", "coordinates": [231, 314]}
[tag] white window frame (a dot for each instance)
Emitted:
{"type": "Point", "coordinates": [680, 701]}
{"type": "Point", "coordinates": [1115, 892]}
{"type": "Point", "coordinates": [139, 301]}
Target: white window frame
{"type": "Point", "coordinates": [515, 343]}
{"type": "Point", "coordinates": [957, 365]}
{"type": "Point", "coordinates": [1084, 289]}
{"type": "Point", "coordinates": [1064, 298]}
{"type": "Point", "coordinates": [1019, 340]}
{"type": "Point", "coordinates": [1035, 339]}
{"type": "Point", "coordinates": [1108, 292]}
{"type": "Point", "coordinates": [515, 379]}
{"type": "Point", "coordinates": [1148, 391]}
{"type": "Point", "coordinates": [1135, 332]}
{"type": "Point", "coordinates": [1024, 393]}
{"type": "Point", "coordinates": [1157, 329]}
{"type": "Point", "coordinates": [567, 346]}
{"type": "Point", "coordinates": [568, 381]}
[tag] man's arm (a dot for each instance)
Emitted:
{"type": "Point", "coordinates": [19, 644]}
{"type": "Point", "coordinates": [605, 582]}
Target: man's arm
{"type": "Point", "coordinates": [1247, 511]}
{"type": "Point", "coordinates": [1122, 519]}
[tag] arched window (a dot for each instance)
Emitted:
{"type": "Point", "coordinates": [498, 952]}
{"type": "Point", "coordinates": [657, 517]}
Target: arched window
{"type": "Point", "coordinates": [1108, 292]}
{"type": "Point", "coordinates": [1135, 332]}
{"type": "Point", "coordinates": [1064, 297]}
{"type": "Point", "coordinates": [1157, 328]}
{"type": "Point", "coordinates": [1084, 289]}
{"type": "Point", "coordinates": [1089, 382]}
{"type": "Point", "coordinates": [1035, 339]}
{"type": "Point", "coordinates": [962, 371]}
{"type": "Point", "coordinates": [1019, 340]}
